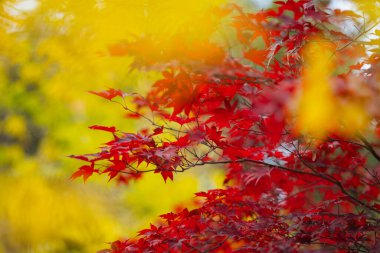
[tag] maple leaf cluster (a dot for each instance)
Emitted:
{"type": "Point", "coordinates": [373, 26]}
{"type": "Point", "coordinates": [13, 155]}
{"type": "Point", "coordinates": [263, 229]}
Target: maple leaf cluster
{"type": "Point", "coordinates": [286, 190]}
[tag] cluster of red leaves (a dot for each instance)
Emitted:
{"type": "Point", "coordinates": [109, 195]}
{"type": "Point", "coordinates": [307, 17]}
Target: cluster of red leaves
{"type": "Point", "coordinates": [128, 149]}
{"type": "Point", "coordinates": [232, 221]}
{"type": "Point", "coordinates": [284, 192]}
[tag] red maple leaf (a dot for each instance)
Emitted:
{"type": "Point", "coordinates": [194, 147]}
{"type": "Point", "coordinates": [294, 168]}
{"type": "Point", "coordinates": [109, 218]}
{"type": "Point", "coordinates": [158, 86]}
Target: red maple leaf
{"type": "Point", "coordinates": [103, 128]}
{"type": "Point", "coordinates": [84, 171]}
{"type": "Point", "coordinates": [108, 94]}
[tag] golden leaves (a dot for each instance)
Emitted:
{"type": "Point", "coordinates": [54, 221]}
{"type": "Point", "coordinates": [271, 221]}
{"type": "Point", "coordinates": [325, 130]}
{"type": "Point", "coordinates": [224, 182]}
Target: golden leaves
{"type": "Point", "coordinates": [370, 8]}
{"type": "Point", "coordinates": [320, 110]}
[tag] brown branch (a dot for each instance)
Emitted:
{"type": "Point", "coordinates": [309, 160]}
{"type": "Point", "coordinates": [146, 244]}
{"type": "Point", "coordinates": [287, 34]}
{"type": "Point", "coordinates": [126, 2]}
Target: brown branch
{"type": "Point", "coordinates": [339, 184]}
{"type": "Point", "coordinates": [357, 37]}
{"type": "Point", "coordinates": [369, 147]}
{"type": "Point", "coordinates": [314, 174]}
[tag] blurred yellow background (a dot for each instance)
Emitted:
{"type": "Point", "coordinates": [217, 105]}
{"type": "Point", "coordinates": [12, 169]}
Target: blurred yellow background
{"type": "Point", "coordinates": [51, 54]}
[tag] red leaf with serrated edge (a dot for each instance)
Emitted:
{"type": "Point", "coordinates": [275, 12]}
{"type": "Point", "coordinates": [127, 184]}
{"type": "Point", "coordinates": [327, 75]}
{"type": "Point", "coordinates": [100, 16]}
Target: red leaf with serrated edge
{"type": "Point", "coordinates": [103, 128]}
{"type": "Point", "coordinates": [377, 130]}
{"type": "Point", "coordinates": [167, 174]}
{"type": "Point", "coordinates": [158, 130]}
{"type": "Point", "coordinates": [273, 127]}
{"type": "Point", "coordinates": [108, 94]}
{"type": "Point", "coordinates": [111, 174]}
{"type": "Point", "coordinates": [132, 115]}
{"type": "Point", "coordinates": [182, 141]}
{"type": "Point", "coordinates": [257, 56]}
{"type": "Point", "coordinates": [179, 120]}
{"type": "Point", "coordinates": [201, 194]}
{"type": "Point", "coordinates": [256, 174]}
{"type": "Point", "coordinates": [80, 157]}
{"type": "Point", "coordinates": [76, 174]}
{"type": "Point", "coordinates": [85, 171]}
{"type": "Point", "coordinates": [114, 169]}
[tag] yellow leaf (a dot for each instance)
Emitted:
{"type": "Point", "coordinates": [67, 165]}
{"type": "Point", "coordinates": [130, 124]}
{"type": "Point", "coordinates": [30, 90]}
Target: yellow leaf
{"type": "Point", "coordinates": [354, 118]}
{"type": "Point", "coordinates": [15, 126]}
{"type": "Point", "coordinates": [316, 109]}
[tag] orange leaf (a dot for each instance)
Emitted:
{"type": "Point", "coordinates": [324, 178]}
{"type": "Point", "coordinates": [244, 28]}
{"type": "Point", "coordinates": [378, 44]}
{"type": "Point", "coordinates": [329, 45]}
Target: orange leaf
{"type": "Point", "coordinates": [108, 94]}
{"type": "Point", "coordinates": [256, 56]}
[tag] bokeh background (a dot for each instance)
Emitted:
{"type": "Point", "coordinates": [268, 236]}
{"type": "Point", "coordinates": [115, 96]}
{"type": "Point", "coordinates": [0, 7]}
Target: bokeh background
{"type": "Point", "coordinates": [51, 54]}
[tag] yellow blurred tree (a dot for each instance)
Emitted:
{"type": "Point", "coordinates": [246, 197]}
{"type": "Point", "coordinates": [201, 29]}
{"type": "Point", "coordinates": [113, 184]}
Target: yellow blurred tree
{"type": "Point", "coordinates": [51, 54]}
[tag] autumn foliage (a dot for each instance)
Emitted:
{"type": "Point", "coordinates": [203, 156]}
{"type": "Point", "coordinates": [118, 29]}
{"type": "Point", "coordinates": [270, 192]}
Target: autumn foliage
{"type": "Point", "coordinates": [295, 122]}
